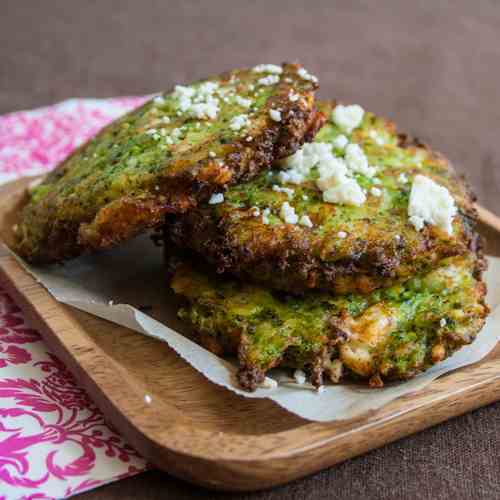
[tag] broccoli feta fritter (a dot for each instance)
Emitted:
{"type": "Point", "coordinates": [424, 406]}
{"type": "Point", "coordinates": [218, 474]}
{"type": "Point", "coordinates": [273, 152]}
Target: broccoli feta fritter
{"type": "Point", "coordinates": [392, 333]}
{"type": "Point", "coordinates": [359, 208]}
{"type": "Point", "coordinates": [166, 156]}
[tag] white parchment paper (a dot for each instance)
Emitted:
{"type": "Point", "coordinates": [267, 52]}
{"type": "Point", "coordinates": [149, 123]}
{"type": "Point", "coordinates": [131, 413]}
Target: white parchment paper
{"type": "Point", "coordinates": [117, 284]}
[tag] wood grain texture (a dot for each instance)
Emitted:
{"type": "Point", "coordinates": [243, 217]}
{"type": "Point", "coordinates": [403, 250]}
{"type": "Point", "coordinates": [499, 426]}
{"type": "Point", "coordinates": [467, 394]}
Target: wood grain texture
{"type": "Point", "coordinates": [204, 433]}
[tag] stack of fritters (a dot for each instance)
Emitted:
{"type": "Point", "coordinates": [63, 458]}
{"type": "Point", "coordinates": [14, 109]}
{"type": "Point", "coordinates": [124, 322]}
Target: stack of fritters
{"type": "Point", "coordinates": [355, 287]}
{"type": "Point", "coordinates": [354, 256]}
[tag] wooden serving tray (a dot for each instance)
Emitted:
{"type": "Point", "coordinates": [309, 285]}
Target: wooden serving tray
{"type": "Point", "coordinates": [199, 431]}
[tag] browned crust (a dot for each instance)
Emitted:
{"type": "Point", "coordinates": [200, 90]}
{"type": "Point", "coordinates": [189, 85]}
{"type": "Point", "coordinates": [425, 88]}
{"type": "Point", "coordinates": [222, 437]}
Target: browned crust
{"type": "Point", "coordinates": [319, 365]}
{"type": "Point", "coordinates": [282, 257]}
{"type": "Point", "coordinates": [182, 187]}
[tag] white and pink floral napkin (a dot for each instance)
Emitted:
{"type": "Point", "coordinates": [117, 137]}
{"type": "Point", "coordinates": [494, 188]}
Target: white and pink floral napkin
{"type": "Point", "coordinates": [54, 442]}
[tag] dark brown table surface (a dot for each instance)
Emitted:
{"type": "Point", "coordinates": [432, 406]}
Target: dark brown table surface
{"type": "Point", "coordinates": [433, 68]}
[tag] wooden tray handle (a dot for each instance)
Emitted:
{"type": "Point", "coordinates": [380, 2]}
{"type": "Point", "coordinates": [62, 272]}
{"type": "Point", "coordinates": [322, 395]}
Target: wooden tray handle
{"type": "Point", "coordinates": [488, 218]}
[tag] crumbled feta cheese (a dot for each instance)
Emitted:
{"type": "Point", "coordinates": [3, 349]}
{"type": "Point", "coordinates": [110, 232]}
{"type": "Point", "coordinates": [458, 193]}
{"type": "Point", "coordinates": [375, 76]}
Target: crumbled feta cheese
{"type": "Point", "coordinates": [300, 163]}
{"type": "Point", "coordinates": [376, 181]}
{"type": "Point", "coordinates": [269, 383]}
{"type": "Point", "coordinates": [442, 322]}
{"type": "Point", "coordinates": [357, 161]}
{"type": "Point", "coordinates": [305, 197]}
{"type": "Point", "coordinates": [275, 115]}
{"type": "Point", "coordinates": [268, 68]}
{"type": "Point", "coordinates": [287, 214]}
{"type": "Point", "coordinates": [379, 139]}
{"type": "Point", "coordinates": [431, 203]}
{"type": "Point", "coordinates": [249, 138]}
{"type": "Point", "coordinates": [299, 376]}
{"type": "Point", "coordinates": [347, 192]}
{"type": "Point", "coordinates": [176, 133]}
{"type": "Point", "coordinates": [306, 221]}
{"type": "Point", "coordinates": [269, 80]}
{"type": "Point", "coordinates": [216, 198]}
{"type": "Point", "coordinates": [147, 399]}
{"type": "Point", "coordinates": [375, 191]}
{"type": "Point", "coordinates": [342, 234]}
{"type": "Point", "coordinates": [255, 211]}
{"type": "Point", "coordinates": [265, 215]}
{"type": "Point", "coordinates": [397, 237]}
{"type": "Point", "coordinates": [340, 142]}
{"type": "Point", "coordinates": [211, 154]}
{"type": "Point", "coordinates": [200, 102]}
{"type": "Point", "coordinates": [293, 97]}
{"type": "Point", "coordinates": [334, 173]}
{"type": "Point", "coordinates": [242, 101]}
{"type": "Point", "coordinates": [207, 109]}
{"type": "Point", "coordinates": [238, 122]}
{"type": "Point", "coordinates": [288, 191]}
{"type": "Point", "coordinates": [159, 100]}
{"type": "Point", "coordinates": [402, 178]}
{"type": "Point", "coordinates": [305, 75]}
{"type": "Point", "coordinates": [348, 117]}
{"type": "Point", "coordinates": [251, 87]}
{"type": "Point", "coordinates": [151, 131]}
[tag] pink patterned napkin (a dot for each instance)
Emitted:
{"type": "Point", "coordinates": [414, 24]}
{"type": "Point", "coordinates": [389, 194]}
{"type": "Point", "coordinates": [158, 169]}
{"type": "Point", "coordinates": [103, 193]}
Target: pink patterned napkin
{"type": "Point", "coordinates": [54, 442]}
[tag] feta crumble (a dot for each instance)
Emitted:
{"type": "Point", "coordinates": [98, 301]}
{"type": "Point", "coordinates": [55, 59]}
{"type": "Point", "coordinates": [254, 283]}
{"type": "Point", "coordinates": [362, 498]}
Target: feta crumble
{"type": "Point", "coordinates": [348, 192]}
{"type": "Point", "coordinates": [269, 80]}
{"type": "Point", "coordinates": [305, 221]}
{"type": "Point", "coordinates": [342, 234]}
{"type": "Point", "coordinates": [431, 203]}
{"type": "Point", "coordinates": [335, 174]}
{"type": "Point", "coordinates": [275, 115]}
{"type": "Point", "coordinates": [211, 154]}
{"type": "Point", "coordinates": [287, 214]}
{"type": "Point", "coordinates": [200, 102]}
{"type": "Point", "coordinates": [340, 142]}
{"type": "Point", "coordinates": [442, 322]}
{"type": "Point", "coordinates": [216, 198]}
{"type": "Point", "coordinates": [305, 75]}
{"type": "Point", "coordinates": [238, 122]}
{"type": "Point", "coordinates": [159, 100]}
{"type": "Point", "coordinates": [242, 101]}
{"type": "Point", "coordinates": [288, 191]}
{"type": "Point", "coordinates": [402, 178]}
{"type": "Point", "coordinates": [268, 68]}
{"type": "Point", "coordinates": [293, 97]}
{"type": "Point", "coordinates": [357, 160]}
{"type": "Point", "coordinates": [348, 117]}
{"type": "Point", "coordinates": [375, 191]}
{"type": "Point", "coordinates": [377, 137]}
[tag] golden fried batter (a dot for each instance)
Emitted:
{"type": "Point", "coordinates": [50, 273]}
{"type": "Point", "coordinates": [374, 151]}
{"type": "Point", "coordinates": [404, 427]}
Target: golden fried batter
{"type": "Point", "coordinates": [164, 157]}
{"type": "Point", "coordinates": [280, 231]}
{"type": "Point", "coordinates": [392, 333]}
